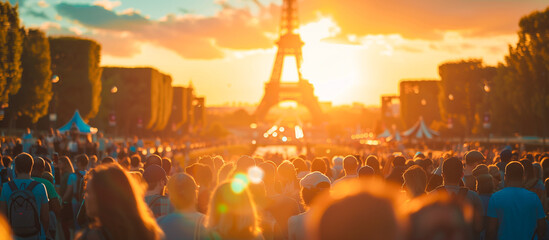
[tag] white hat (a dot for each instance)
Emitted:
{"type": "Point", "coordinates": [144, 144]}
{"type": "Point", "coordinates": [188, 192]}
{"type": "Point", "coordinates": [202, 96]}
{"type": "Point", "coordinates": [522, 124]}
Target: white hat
{"type": "Point", "coordinates": [312, 180]}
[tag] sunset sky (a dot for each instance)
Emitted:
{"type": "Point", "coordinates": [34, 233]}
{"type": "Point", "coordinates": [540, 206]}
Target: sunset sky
{"type": "Point", "coordinates": [355, 50]}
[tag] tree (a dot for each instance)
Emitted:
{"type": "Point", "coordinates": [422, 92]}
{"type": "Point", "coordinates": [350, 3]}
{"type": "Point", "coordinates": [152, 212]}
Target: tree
{"type": "Point", "coordinates": [76, 62]}
{"type": "Point", "coordinates": [10, 51]}
{"type": "Point", "coordinates": [523, 80]}
{"type": "Point", "coordinates": [35, 94]}
{"type": "Point", "coordinates": [462, 92]}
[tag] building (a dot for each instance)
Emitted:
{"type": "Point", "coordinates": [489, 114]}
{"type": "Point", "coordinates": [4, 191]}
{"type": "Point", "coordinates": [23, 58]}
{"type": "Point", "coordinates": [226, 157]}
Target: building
{"type": "Point", "coordinates": [419, 98]}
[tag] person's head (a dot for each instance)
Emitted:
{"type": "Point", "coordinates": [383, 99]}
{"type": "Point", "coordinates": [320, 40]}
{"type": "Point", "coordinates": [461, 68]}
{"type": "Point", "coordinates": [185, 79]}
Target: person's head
{"type": "Point", "coordinates": [485, 184]}
{"type": "Point", "coordinates": [153, 159]}
{"type": "Point", "coordinates": [155, 177]}
{"type": "Point", "coordinates": [545, 167]}
{"type": "Point", "coordinates": [48, 176]}
{"type": "Point", "coordinates": [218, 162]}
{"type": "Point", "coordinates": [286, 172]}
{"type": "Point", "coordinates": [116, 201]}
{"type": "Point", "coordinates": [82, 161]}
{"type": "Point", "coordinates": [473, 158]}
{"type": "Point", "coordinates": [183, 191]}
{"type": "Point", "coordinates": [318, 165]}
{"type": "Point", "coordinates": [438, 216]}
{"type": "Point", "coordinates": [107, 160]}
{"type": "Point", "coordinates": [505, 155]}
{"type": "Point", "coordinates": [338, 161]}
{"type": "Point", "coordinates": [399, 161]}
{"type": "Point", "coordinates": [312, 185]}
{"type": "Point", "coordinates": [208, 161]}
{"type": "Point", "coordinates": [135, 161]}
{"type": "Point", "coordinates": [481, 169]}
{"type": "Point", "coordinates": [373, 162]}
{"type": "Point", "coordinates": [452, 171]}
{"type": "Point", "coordinates": [93, 161]}
{"type": "Point", "coordinates": [167, 165]}
{"type": "Point", "coordinates": [514, 173]}
{"type": "Point", "coordinates": [244, 162]}
{"type": "Point", "coordinates": [340, 215]}
{"type": "Point", "coordinates": [415, 181]}
{"type": "Point", "coordinates": [224, 172]}
{"type": "Point", "coordinates": [125, 163]}
{"type": "Point", "coordinates": [23, 163]}
{"type": "Point", "coordinates": [528, 169]}
{"type": "Point", "coordinates": [65, 164]}
{"type": "Point", "coordinates": [350, 165]}
{"type": "Point", "coordinates": [269, 170]}
{"type": "Point", "coordinates": [366, 171]}
{"type": "Point", "coordinates": [300, 165]}
{"type": "Point", "coordinates": [201, 173]}
{"type": "Point", "coordinates": [6, 161]}
{"type": "Point", "coordinates": [232, 214]}
{"type": "Point", "coordinates": [38, 167]}
{"type": "Point", "coordinates": [426, 164]}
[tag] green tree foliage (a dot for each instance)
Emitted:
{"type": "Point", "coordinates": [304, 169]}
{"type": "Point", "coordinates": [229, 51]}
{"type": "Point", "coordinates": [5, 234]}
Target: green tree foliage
{"type": "Point", "coordinates": [462, 93]}
{"type": "Point", "coordinates": [520, 99]}
{"type": "Point", "coordinates": [76, 62]}
{"type": "Point", "coordinates": [11, 41]}
{"type": "Point", "coordinates": [143, 93]}
{"type": "Point", "coordinates": [33, 98]}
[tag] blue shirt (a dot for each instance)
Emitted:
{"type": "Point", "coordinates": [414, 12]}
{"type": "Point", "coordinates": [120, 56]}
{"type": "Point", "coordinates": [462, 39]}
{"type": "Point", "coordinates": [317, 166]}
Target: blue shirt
{"type": "Point", "coordinates": [183, 226]}
{"type": "Point", "coordinates": [517, 211]}
{"type": "Point", "coordinates": [39, 192]}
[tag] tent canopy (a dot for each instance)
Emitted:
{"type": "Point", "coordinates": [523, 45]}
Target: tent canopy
{"type": "Point", "coordinates": [79, 123]}
{"type": "Point", "coordinates": [420, 130]}
{"type": "Point", "coordinates": [388, 136]}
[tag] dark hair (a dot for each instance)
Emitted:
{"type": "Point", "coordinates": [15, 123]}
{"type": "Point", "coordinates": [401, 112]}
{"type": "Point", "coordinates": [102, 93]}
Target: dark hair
{"type": "Point", "coordinates": [182, 188]}
{"type": "Point", "coordinates": [373, 162]}
{"type": "Point", "coordinates": [39, 166]}
{"type": "Point", "coordinates": [135, 160]}
{"type": "Point", "coordinates": [309, 194]}
{"type": "Point", "coordinates": [415, 179]}
{"type": "Point", "coordinates": [528, 168]}
{"type": "Point", "coordinates": [82, 160]}
{"type": "Point", "coordinates": [485, 184]}
{"type": "Point", "coordinates": [125, 163]}
{"type": "Point", "coordinates": [6, 161]}
{"type": "Point", "coordinates": [452, 169]}
{"type": "Point", "coordinates": [201, 173]}
{"type": "Point", "coordinates": [23, 163]}
{"type": "Point", "coordinates": [107, 160]}
{"type": "Point", "coordinates": [514, 171]}
{"type": "Point", "coordinates": [300, 165]}
{"type": "Point", "coordinates": [366, 171]}
{"type": "Point", "coordinates": [153, 159]}
{"type": "Point", "coordinates": [318, 165]}
{"type": "Point", "coordinates": [350, 164]}
{"type": "Point", "coordinates": [399, 161]}
{"type": "Point", "coordinates": [167, 165]}
{"type": "Point", "coordinates": [481, 169]}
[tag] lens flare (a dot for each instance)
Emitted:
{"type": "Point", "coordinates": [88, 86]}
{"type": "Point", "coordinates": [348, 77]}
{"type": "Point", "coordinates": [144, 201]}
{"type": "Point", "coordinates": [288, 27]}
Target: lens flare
{"type": "Point", "coordinates": [222, 208]}
{"type": "Point", "coordinates": [239, 183]}
{"type": "Point", "coordinates": [255, 174]}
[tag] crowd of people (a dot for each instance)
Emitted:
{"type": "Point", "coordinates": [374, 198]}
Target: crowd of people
{"type": "Point", "coordinates": [88, 196]}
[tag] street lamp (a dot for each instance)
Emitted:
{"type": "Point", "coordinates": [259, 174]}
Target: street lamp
{"type": "Point", "coordinates": [112, 121]}
{"type": "Point", "coordinates": [53, 113]}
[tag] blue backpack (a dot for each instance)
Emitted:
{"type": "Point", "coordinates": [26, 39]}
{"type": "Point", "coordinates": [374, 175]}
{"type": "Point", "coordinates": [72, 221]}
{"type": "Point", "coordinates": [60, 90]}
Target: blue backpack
{"type": "Point", "coordinates": [23, 213]}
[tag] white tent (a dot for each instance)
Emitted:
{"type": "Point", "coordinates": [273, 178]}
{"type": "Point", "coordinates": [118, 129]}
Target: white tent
{"type": "Point", "coordinates": [420, 130]}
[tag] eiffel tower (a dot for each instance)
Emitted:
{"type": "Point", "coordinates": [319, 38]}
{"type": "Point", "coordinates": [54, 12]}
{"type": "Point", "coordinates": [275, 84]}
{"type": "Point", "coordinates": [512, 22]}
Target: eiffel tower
{"type": "Point", "coordinates": [289, 44]}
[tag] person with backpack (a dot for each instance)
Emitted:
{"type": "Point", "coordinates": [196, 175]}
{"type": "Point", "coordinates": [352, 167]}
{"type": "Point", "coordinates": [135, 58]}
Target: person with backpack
{"type": "Point", "coordinates": [452, 173]}
{"type": "Point", "coordinates": [24, 202]}
{"type": "Point", "coordinates": [54, 200]}
{"type": "Point", "coordinates": [75, 184]}
{"type": "Point", "coordinates": [156, 179]}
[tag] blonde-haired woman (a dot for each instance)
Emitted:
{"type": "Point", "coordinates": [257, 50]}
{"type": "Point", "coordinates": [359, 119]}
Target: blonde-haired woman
{"type": "Point", "coordinates": [114, 203]}
{"type": "Point", "coordinates": [232, 213]}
